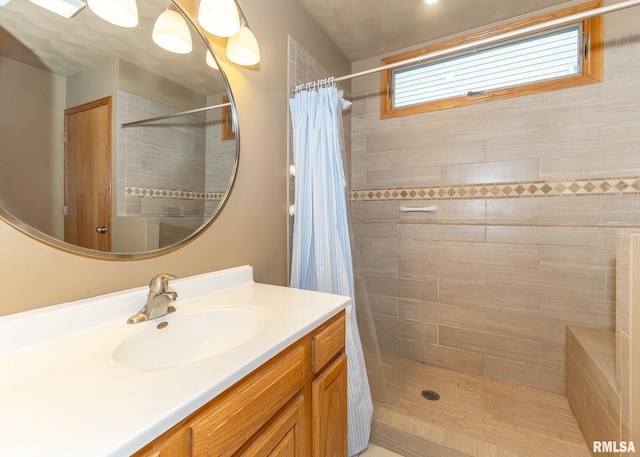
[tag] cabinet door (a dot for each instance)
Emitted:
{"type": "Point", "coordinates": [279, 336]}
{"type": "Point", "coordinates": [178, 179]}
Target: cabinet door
{"type": "Point", "coordinates": [285, 437]}
{"type": "Point", "coordinates": [229, 424]}
{"type": "Point", "coordinates": [329, 410]}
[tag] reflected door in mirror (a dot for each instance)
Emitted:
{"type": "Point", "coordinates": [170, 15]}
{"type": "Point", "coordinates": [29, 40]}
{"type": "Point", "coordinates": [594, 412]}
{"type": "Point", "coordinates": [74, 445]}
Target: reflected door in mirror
{"type": "Point", "coordinates": [87, 221]}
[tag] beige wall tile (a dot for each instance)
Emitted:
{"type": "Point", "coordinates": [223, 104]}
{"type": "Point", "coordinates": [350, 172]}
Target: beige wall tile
{"type": "Point", "coordinates": [624, 208]}
{"type": "Point", "coordinates": [583, 310]}
{"type": "Point", "coordinates": [442, 314]}
{"type": "Point", "coordinates": [425, 250]}
{"type": "Point", "coordinates": [469, 362]}
{"type": "Point", "coordinates": [418, 290]}
{"type": "Point", "coordinates": [442, 271]}
{"type": "Point", "coordinates": [402, 178]}
{"type": "Point", "coordinates": [492, 172]}
{"type": "Point", "coordinates": [418, 331]}
{"type": "Point", "coordinates": [598, 166]}
{"type": "Point", "coordinates": [378, 266]}
{"type": "Point", "coordinates": [542, 211]}
{"type": "Point", "coordinates": [552, 353]}
{"type": "Point", "coordinates": [386, 287]}
{"type": "Point", "coordinates": [577, 258]}
{"type": "Point", "coordinates": [441, 232]}
{"type": "Point", "coordinates": [376, 247]}
{"type": "Point", "coordinates": [495, 345]}
{"type": "Point", "coordinates": [561, 236]}
{"type": "Point", "coordinates": [403, 138]}
{"type": "Point", "coordinates": [525, 325]}
{"type": "Point", "coordinates": [369, 230]}
{"type": "Point", "coordinates": [383, 305]}
{"type": "Point", "coordinates": [547, 376]}
{"type": "Point", "coordinates": [500, 254]}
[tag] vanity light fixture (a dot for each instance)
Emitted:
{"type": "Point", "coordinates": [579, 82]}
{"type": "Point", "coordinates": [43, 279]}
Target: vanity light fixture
{"type": "Point", "coordinates": [64, 8]}
{"type": "Point", "coordinates": [211, 61]}
{"type": "Point", "coordinates": [242, 48]}
{"type": "Point", "coordinates": [171, 32]}
{"type": "Point", "coordinates": [429, 2]}
{"type": "Point", "coordinates": [123, 13]}
{"type": "Point", "coordinates": [219, 17]}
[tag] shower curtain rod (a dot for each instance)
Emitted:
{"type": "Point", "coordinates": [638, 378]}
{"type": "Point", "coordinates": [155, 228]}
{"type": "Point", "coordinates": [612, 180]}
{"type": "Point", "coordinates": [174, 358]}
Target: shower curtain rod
{"type": "Point", "coordinates": [490, 40]}
{"type": "Point", "coordinates": [168, 116]}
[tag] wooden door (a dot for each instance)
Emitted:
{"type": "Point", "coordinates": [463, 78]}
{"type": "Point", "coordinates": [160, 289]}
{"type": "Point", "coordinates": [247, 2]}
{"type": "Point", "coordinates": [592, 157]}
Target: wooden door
{"type": "Point", "coordinates": [284, 437]}
{"type": "Point", "coordinates": [87, 176]}
{"type": "Point", "coordinates": [329, 410]}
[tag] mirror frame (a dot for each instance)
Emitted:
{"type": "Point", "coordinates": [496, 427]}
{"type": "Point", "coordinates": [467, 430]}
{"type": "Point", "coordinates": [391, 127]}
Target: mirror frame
{"type": "Point", "coordinates": [23, 227]}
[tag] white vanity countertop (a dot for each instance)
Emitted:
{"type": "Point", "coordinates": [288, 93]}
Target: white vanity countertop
{"type": "Point", "coordinates": [61, 394]}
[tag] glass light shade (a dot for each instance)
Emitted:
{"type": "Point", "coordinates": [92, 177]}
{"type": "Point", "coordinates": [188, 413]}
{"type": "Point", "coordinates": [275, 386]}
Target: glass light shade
{"type": "Point", "coordinates": [219, 17]}
{"type": "Point", "coordinates": [242, 48]}
{"type": "Point", "coordinates": [211, 61]}
{"type": "Point", "coordinates": [171, 32]}
{"type": "Point", "coordinates": [123, 13]}
{"type": "Point", "coordinates": [64, 8]}
{"type": "Point", "coordinates": [3, 2]}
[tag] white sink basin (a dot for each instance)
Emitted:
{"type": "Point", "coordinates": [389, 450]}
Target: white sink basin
{"type": "Point", "coordinates": [178, 339]}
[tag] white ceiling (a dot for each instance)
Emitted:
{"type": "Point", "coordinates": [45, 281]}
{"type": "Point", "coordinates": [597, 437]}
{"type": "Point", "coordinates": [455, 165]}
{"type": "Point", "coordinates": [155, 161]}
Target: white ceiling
{"type": "Point", "coordinates": [37, 37]}
{"type": "Point", "coordinates": [368, 28]}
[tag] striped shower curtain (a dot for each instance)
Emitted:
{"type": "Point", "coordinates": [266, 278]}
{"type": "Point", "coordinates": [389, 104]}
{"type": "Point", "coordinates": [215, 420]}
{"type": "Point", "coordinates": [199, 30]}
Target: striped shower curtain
{"type": "Point", "coordinates": [321, 254]}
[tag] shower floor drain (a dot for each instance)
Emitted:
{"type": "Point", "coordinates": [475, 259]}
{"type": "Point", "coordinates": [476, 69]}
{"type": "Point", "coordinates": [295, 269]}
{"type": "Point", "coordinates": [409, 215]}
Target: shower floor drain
{"type": "Point", "coordinates": [430, 395]}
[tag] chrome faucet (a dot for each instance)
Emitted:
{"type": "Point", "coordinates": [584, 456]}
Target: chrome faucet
{"type": "Point", "coordinates": [160, 295]}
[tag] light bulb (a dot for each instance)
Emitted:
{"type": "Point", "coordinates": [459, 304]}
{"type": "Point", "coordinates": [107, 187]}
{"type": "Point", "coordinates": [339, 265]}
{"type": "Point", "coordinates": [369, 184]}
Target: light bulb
{"type": "Point", "coordinates": [123, 13]}
{"type": "Point", "coordinates": [171, 32]}
{"type": "Point", "coordinates": [219, 17]}
{"type": "Point", "coordinates": [242, 48]}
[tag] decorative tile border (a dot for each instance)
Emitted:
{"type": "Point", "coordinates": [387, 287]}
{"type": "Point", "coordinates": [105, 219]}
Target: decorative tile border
{"type": "Point", "coordinates": [600, 186]}
{"type": "Point", "coordinates": [174, 194]}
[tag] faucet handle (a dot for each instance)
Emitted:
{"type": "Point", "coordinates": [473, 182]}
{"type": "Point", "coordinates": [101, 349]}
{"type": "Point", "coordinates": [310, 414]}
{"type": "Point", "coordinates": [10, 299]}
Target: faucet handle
{"type": "Point", "coordinates": [160, 283]}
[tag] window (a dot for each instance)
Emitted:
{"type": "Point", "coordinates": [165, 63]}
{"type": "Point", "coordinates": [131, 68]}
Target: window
{"type": "Point", "coordinates": [567, 56]}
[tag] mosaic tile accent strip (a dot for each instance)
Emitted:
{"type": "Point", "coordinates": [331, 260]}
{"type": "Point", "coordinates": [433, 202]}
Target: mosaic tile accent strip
{"type": "Point", "coordinates": [600, 186]}
{"type": "Point", "coordinates": [174, 194]}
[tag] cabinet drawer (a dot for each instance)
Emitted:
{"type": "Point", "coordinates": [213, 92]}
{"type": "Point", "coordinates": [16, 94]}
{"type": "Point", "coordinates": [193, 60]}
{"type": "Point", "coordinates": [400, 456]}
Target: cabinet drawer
{"type": "Point", "coordinates": [229, 424]}
{"type": "Point", "coordinates": [328, 343]}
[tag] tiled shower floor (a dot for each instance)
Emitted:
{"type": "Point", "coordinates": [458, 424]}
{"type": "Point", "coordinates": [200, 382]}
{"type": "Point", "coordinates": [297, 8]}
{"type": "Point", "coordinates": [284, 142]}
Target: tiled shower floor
{"type": "Point", "coordinates": [475, 416]}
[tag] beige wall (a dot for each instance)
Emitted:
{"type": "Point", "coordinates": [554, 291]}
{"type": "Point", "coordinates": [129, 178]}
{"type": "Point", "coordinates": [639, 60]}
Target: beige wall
{"type": "Point", "coordinates": [487, 283]}
{"type": "Point", "coordinates": [252, 227]}
{"type": "Point", "coordinates": [37, 190]}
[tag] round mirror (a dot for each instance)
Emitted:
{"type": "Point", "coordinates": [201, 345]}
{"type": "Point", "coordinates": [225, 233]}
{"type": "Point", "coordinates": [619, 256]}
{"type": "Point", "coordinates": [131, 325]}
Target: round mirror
{"type": "Point", "coordinates": [111, 146]}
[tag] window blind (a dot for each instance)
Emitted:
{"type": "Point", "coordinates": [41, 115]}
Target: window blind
{"type": "Point", "coordinates": [545, 56]}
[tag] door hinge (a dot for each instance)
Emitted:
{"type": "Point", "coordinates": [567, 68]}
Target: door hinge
{"type": "Point", "coordinates": [65, 210]}
{"type": "Point", "coordinates": [65, 137]}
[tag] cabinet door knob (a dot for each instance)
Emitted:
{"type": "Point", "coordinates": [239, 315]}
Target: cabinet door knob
{"type": "Point", "coordinates": [102, 229]}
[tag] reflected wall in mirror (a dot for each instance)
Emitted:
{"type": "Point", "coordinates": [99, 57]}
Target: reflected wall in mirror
{"type": "Point", "coordinates": [164, 179]}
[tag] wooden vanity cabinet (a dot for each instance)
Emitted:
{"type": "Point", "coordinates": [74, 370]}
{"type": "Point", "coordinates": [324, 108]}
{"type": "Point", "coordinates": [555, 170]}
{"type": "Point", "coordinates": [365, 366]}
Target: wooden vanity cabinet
{"type": "Point", "coordinates": [295, 405]}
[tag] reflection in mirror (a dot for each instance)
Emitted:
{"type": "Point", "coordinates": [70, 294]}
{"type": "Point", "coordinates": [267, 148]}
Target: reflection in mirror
{"type": "Point", "coordinates": [69, 169]}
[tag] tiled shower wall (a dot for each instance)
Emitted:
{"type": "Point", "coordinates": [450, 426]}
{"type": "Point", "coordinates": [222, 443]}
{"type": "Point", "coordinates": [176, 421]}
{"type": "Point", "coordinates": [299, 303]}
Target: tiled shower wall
{"type": "Point", "coordinates": [529, 200]}
{"type": "Point", "coordinates": [172, 172]}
